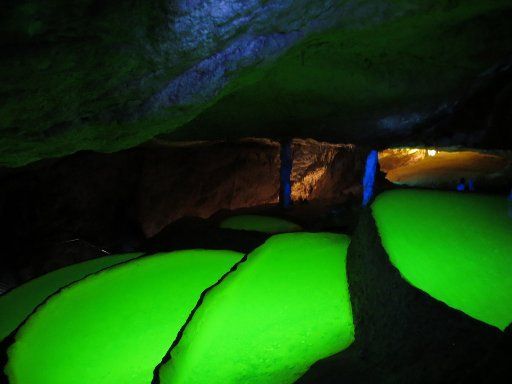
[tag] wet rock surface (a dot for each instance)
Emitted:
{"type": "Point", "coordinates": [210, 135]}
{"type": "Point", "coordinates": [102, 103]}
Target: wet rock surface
{"type": "Point", "coordinates": [402, 334]}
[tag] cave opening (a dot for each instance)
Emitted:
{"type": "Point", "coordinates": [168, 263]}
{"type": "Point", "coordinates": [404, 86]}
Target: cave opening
{"type": "Point", "coordinates": [448, 168]}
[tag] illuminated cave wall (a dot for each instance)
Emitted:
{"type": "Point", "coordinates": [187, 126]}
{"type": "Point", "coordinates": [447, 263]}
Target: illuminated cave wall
{"type": "Point", "coordinates": [325, 171]}
{"type": "Point", "coordinates": [199, 180]}
{"type": "Point", "coordinates": [442, 168]}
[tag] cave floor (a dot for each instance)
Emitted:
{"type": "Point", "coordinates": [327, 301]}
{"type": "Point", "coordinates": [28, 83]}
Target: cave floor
{"type": "Point", "coordinates": [416, 226]}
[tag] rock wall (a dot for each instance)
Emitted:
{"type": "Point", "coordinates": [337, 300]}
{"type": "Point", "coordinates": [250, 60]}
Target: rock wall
{"type": "Point", "coordinates": [201, 180]}
{"type": "Point", "coordinates": [326, 171]}
{"type": "Point", "coordinates": [114, 201]}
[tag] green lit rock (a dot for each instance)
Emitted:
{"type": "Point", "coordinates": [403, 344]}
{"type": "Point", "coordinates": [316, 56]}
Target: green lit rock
{"type": "Point", "coordinates": [456, 247]}
{"type": "Point", "coordinates": [402, 334]}
{"type": "Point", "coordinates": [114, 326]}
{"type": "Point", "coordinates": [19, 303]}
{"type": "Point", "coordinates": [281, 310]}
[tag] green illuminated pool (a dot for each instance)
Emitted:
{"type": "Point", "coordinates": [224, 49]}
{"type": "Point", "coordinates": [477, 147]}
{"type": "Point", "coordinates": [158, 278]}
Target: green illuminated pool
{"type": "Point", "coordinates": [114, 326]}
{"type": "Point", "coordinates": [258, 223]}
{"type": "Point", "coordinates": [456, 247]}
{"type": "Point", "coordinates": [18, 303]}
{"type": "Point", "coordinates": [283, 309]}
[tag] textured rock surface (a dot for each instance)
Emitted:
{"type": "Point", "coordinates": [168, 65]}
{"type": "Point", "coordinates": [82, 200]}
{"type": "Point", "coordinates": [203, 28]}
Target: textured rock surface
{"type": "Point", "coordinates": [326, 171]}
{"type": "Point", "coordinates": [402, 334]}
{"type": "Point", "coordinates": [489, 170]}
{"type": "Point", "coordinates": [481, 119]}
{"type": "Point", "coordinates": [200, 180]}
{"type": "Point", "coordinates": [110, 75]}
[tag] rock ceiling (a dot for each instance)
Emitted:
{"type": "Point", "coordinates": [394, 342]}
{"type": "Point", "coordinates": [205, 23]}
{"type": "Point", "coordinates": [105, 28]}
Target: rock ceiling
{"type": "Point", "coordinates": [99, 75]}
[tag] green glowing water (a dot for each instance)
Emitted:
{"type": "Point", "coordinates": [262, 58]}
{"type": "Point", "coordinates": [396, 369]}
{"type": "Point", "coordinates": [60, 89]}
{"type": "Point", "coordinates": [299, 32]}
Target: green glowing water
{"type": "Point", "coordinates": [257, 223]}
{"type": "Point", "coordinates": [456, 247]}
{"type": "Point", "coordinates": [283, 309]}
{"type": "Point", "coordinates": [114, 326]}
{"type": "Point", "coordinates": [17, 304]}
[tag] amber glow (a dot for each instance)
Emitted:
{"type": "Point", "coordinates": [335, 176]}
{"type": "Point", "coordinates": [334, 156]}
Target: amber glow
{"type": "Point", "coordinates": [442, 168]}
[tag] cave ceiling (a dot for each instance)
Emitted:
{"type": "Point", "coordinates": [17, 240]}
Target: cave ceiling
{"type": "Point", "coordinates": [109, 75]}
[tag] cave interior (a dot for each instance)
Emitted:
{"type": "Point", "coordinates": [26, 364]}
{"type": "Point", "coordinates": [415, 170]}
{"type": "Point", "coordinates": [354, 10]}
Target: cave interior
{"type": "Point", "coordinates": [255, 191]}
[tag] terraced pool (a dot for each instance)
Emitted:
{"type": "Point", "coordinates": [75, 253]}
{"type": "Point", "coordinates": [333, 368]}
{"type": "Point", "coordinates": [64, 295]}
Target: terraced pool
{"type": "Point", "coordinates": [114, 326]}
{"type": "Point", "coordinates": [18, 303]}
{"type": "Point", "coordinates": [456, 247]}
{"type": "Point", "coordinates": [283, 309]}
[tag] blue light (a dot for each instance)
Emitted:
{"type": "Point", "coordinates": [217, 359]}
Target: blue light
{"type": "Point", "coordinates": [285, 196]}
{"type": "Point", "coordinates": [461, 187]}
{"type": "Point", "coordinates": [369, 176]}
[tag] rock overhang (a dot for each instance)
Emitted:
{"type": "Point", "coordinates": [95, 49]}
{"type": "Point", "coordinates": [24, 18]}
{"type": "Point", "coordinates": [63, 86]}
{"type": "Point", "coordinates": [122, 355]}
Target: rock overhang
{"type": "Point", "coordinates": [108, 77]}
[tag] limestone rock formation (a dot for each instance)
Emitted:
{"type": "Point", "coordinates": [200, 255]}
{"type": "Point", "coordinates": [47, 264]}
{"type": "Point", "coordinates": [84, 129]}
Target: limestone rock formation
{"type": "Point", "coordinates": [106, 76]}
{"type": "Point", "coordinates": [326, 171]}
{"type": "Point", "coordinates": [200, 180]}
